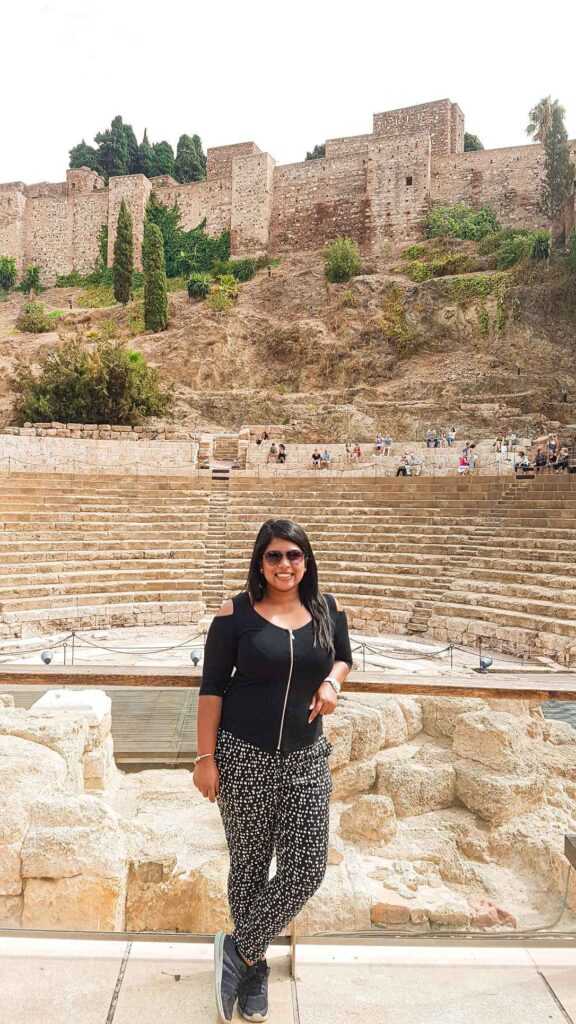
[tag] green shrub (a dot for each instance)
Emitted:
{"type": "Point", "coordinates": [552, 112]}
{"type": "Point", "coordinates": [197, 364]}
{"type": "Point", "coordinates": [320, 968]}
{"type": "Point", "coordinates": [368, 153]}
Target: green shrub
{"type": "Point", "coordinates": [348, 300]}
{"type": "Point", "coordinates": [342, 260]}
{"type": "Point", "coordinates": [219, 300]}
{"type": "Point", "coordinates": [72, 280]}
{"type": "Point", "coordinates": [512, 250]}
{"type": "Point", "coordinates": [228, 284]}
{"type": "Point", "coordinates": [540, 248]}
{"type": "Point", "coordinates": [96, 296]}
{"type": "Point", "coordinates": [76, 383]}
{"type": "Point", "coordinates": [414, 252]}
{"type": "Point", "coordinates": [243, 270]}
{"type": "Point", "coordinates": [460, 221]}
{"type": "Point", "coordinates": [199, 286]}
{"type": "Point", "coordinates": [33, 319]}
{"type": "Point", "coordinates": [7, 273]}
{"type": "Point", "coordinates": [417, 270]}
{"type": "Point", "coordinates": [31, 281]}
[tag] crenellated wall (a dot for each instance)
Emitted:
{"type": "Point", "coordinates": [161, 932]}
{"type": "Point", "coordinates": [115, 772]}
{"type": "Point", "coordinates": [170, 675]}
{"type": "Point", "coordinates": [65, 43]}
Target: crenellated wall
{"type": "Point", "coordinates": [372, 187]}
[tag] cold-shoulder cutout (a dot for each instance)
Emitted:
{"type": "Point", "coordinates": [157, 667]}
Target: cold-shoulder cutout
{"type": "Point", "coordinates": [227, 608]}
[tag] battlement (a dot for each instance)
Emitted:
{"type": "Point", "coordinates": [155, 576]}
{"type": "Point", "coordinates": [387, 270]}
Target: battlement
{"type": "Point", "coordinates": [372, 187]}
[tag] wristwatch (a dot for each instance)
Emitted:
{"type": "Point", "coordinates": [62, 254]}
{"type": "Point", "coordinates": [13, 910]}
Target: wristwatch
{"type": "Point", "coordinates": [333, 682]}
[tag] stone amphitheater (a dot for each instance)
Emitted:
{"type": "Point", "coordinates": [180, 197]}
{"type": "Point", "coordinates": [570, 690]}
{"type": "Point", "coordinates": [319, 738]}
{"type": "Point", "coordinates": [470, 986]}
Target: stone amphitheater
{"type": "Point", "coordinates": [446, 812]}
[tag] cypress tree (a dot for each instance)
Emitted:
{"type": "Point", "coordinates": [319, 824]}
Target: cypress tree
{"type": "Point", "coordinates": [155, 290]}
{"type": "Point", "coordinates": [546, 125]}
{"type": "Point", "coordinates": [123, 256]}
{"type": "Point", "coordinates": [145, 157]}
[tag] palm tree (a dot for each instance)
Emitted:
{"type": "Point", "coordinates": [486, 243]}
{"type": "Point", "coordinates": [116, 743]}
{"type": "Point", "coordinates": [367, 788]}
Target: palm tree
{"type": "Point", "coordinates": [541, 118]}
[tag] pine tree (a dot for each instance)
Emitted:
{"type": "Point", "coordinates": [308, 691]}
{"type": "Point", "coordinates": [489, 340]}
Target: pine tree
{"type": "Point", "coordinates": [84, 155]}
{"type": "Point", "coordinates": [163, 158]}
{"type": "Point", "coordinates": [155, 290]}
{"type": "Point", "coordinates": [471, 143]}
{"type": "Point", "coordinates": [318, 153]}
{"type": "Point", "coordinates": [123, 256]}
{"type": "Point", "coordinates": [190, 163]}
{"type": "Point", "coordinates": [132, 147]}
{"type": "Point", "coordinates": [113, 149]}
{"type": "Point", "coordinates": [546, 125]}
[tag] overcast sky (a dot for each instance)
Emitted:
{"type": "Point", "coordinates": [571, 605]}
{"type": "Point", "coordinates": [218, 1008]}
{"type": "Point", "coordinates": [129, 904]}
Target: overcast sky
{"type": "Point", "coordinates": [285, 75]}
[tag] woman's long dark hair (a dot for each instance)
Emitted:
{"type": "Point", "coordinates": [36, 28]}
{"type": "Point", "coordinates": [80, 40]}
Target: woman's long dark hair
{"type": "Point", "coordinates": [310, 596]}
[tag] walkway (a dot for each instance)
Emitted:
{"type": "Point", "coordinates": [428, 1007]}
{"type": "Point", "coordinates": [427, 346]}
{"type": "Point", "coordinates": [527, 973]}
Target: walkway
{"type": "Point", "coordinates": [56, 981]}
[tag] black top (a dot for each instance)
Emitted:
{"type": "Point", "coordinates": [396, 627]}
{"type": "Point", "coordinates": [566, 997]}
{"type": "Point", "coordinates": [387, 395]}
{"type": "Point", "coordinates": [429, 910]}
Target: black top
{"type": "Point", "coordinates": [267, 674]}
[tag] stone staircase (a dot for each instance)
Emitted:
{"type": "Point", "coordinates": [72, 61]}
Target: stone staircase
{"type": "Point", "coordinates": [225, 448]}
{"type": "Point", "coordinates": [215, 542]}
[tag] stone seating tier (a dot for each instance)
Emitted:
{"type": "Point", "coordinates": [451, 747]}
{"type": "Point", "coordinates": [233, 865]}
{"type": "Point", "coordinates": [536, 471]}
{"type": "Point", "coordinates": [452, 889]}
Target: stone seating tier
{"type": "Point", "coordinates": [458, 558]}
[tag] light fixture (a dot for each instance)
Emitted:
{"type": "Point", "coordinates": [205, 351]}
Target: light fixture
{"type": "Point", "coordinates": [47, 657]}
{"type": "Point", "coordinates": [485, 664]}
{"type": "Point", "coordinates": [195, 656]}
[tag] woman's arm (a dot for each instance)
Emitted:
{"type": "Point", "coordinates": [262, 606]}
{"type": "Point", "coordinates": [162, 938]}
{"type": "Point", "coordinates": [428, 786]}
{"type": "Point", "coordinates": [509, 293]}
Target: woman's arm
{"type": "Point", "coordinates": [219, 661]}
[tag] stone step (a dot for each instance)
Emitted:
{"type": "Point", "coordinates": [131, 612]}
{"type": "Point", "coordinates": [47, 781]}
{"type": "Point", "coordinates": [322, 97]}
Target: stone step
{"type": "Point", "coordinates": [103, 595]}
{"type": "Point", "coordinates": [34, 622]}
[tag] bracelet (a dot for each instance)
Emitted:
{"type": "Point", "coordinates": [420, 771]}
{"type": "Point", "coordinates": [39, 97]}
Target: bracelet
{"type": "Point", "coordinates": [200, 756]}
{"type": "Point", "coordinates": [333, 683]}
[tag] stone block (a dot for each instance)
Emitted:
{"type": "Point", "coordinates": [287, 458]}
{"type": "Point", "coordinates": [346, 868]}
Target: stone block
{"type": "Point", "coordinates": [28, 769]}
{"type": "Point", "coordinates": [193, 900]}
{"type": "Point", "coordinates": [63, 732]}
{"type": "Point", "coordinates": [356, 777]}
{"type": "Point", "coordinates": [416, 788]}
{"type": "Point", "coordinates": [71, 836]}
{"type": "Point", "coordinates": [81, 903]}
{"type": "Point", "coordinates": [11, 911]}
{"type": "Point", "coordinates": [412, 711]}
{"type": "Point", "coordinates": [340, 905]}
{"type": "Point", "coordinates": [6, 700]}
{"type": "Point", "coordinates": [390, 910]}
{"type": "Point", "coordinates": [440, 714]}
{"type": "Point", "coordinates": [497, 797]}
{"type": "Point", "coordinates": [368, 733]}
{"type": "Point", "coordinates": [370, 819]}
{"type": "Point", "coordinates": [338, 731]}
{"type": "Point", "coordinates": [496, 739]}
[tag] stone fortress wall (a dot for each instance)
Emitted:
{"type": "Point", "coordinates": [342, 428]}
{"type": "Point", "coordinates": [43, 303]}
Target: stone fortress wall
{"type": "Point", "coordinates": [373, 187]}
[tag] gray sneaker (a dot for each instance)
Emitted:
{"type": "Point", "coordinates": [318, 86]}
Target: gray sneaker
{"type": "Point", "coordinates": [229, 973]}
{"type": "Point", "coordinates": [253, 992]}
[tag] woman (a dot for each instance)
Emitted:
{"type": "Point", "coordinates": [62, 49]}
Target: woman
{"type": "Point", "coordinates": [275, 657]}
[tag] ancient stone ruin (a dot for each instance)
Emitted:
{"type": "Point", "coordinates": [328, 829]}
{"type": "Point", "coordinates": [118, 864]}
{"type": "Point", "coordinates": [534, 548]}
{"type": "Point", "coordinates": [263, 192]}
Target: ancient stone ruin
{"type": "Point", "coordinates": [372, 187]}
{"type": "Point", "coordinates": [445, 813]}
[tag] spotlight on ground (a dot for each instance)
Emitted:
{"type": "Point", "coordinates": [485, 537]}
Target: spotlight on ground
{"type": "Point", "coordinates": [47, 657]}
{"type": "Point", "coordinates": [485, 664]}
{"type": "Point", "coordinates": [195, 656]}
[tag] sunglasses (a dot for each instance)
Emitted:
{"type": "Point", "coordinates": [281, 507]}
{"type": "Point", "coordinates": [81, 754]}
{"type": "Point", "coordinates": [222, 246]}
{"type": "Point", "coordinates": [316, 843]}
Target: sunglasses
{"type": "Point", "coordinates": [294, 556]}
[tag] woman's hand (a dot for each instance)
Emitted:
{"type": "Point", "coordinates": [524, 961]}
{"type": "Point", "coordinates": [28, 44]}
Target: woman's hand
{"type": "Point", "coordinates": [206, 778]}
{"type": "Point", "coordinates": [323, 702]}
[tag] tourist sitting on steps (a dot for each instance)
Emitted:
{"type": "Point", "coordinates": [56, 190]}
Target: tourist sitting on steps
{"type": "Point", "coordinates": [272, 453]}
{"type": "Point", "coordinates": [540, 460]}
{"type": "Point", "coordinates": [404, 469]}
{"type": "Point", "coordinates": [523, 464]}
{"type": "Point", "coordinates": [267, 770]}
{"type": "Point", "coordinates": [316, 458]}
{"type": "Point", "coordinates": [387, 444]}
{"type": "Point", "coordinates": [325, 459]}
{"type": "Point", "coordinates": [282, 453]}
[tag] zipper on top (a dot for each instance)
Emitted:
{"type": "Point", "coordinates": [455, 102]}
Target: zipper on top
{"type": "Point", "coordinates": [291, 642]}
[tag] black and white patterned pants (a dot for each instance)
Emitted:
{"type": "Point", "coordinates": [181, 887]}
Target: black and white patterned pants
{"type": "Point", "coordinates": [272, 803]}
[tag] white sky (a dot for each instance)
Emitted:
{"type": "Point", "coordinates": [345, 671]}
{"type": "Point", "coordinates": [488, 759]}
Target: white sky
{"type": "Point", "coordinates": [284, 75]}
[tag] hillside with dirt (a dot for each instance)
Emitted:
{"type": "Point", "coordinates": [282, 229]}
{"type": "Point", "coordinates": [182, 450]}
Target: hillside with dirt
{"type": "Point", "coordinates": [485, 349]}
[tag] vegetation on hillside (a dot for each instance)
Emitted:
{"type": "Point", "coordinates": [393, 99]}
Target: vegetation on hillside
{"type": "Point", "coordinates": [123, 266]}
{"type": "Point", "coordinates": [155, 291]}
{"type": "Point", "coordinates": [546, 125]}
{"type": "Point", "coordinates": [341, 259]}
{"type": "Point", "coordinates": [118, 152]}
{"type": "Point", "coordinates": [78, 383]}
